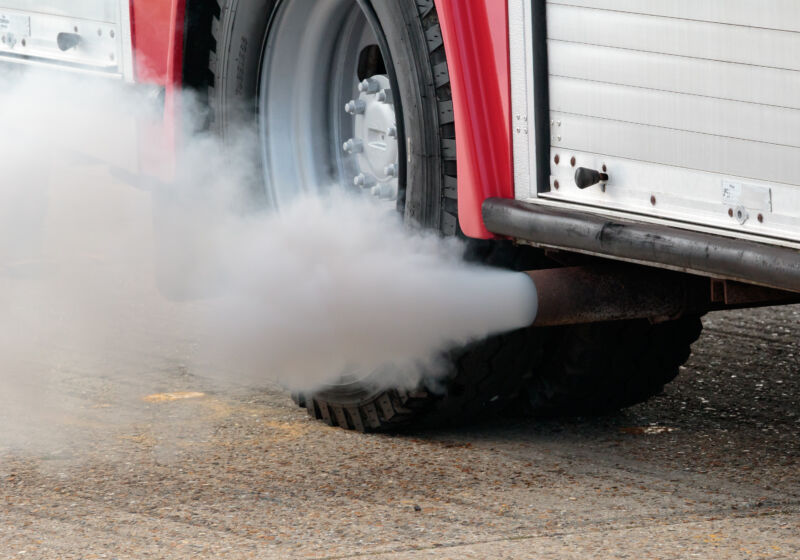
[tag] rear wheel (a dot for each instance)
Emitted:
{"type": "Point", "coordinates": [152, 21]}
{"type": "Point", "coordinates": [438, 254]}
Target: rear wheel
{"type": "Point", "coordinates": [356, 93]}
{"type": "Point", "coordinates": [603, 367]}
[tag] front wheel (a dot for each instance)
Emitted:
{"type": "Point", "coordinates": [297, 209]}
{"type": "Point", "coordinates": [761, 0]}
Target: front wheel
{"type": "Point", "coordinates": [356, 93]}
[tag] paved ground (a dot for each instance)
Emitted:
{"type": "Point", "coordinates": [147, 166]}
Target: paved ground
{"type": "Point", "coordinates": [93, 465]}
{"type": "Point", "coordinates": [711, 469]}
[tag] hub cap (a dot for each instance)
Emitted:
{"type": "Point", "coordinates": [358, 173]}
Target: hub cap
{"type": "Point", "coordinates": [326, 111]}
{"type": "Point", "coordinates": [374, 145]}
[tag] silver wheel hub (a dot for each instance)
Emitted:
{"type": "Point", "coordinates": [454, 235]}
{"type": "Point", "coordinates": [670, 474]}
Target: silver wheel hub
{"type": "Point", "coordinates": [374, 144]}
{"type": "Point", "coordinates": [326, 116]}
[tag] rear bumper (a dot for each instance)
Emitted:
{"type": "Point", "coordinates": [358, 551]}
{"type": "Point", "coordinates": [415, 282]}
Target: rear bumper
{"type": "Point", "coordinates": [649, 244]}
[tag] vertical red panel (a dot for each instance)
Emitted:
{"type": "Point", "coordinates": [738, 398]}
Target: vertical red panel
{"type": "Point", "coordinates": [475, 36]}
{"type": "Point", "coordinates": [157, 31]}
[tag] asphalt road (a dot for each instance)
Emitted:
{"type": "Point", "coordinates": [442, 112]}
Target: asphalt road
{"type": "Point", "coordinates": [710, 469]}
{"type": "Point", "coordinates": [114, 444]}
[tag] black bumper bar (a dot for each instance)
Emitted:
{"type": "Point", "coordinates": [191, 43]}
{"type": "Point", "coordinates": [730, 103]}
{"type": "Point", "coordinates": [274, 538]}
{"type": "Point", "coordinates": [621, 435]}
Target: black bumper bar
{"type": "Point", "coordinates": [650, 244]}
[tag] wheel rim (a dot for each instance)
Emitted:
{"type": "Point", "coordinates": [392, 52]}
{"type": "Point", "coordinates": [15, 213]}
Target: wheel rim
{"type": "Point", "coordinates": [327, 113]}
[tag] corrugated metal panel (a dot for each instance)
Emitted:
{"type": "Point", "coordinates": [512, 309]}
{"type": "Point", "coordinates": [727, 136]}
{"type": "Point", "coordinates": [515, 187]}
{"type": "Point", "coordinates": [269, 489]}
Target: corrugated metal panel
{"type": "Point", "coordinates": [762, 123]}
{"type": "Point", "coordinates": [741, 158]}
{"type": "Point", "coordinates": [710, 86]}
{"type": "Point", "coordinates": [710, 41]}
{"type": "Point", "coordinates": [738, 82]}
{"type": "Point", "coordinates": [769, 14]}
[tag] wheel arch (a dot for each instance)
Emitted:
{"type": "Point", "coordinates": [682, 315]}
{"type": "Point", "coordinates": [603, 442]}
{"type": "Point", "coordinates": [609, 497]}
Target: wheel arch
{"type": "Point", "coordinates": [172, 42]}
{"type": "Point", "coordinates": [475, 38]}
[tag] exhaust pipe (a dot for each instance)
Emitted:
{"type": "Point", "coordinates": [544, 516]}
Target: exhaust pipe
{"type": "Point", "coordinates": [589, 294]}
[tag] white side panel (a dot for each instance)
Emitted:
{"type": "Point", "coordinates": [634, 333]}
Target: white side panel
{"type": "Point", "coordinates": [693, 107]}
{"type": "Point", "coordinates": [29, 31]}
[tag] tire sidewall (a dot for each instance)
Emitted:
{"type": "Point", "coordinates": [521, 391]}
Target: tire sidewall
{"type": "Point", "coordinates": [242, 37]}
{"type": "Point", "coordinates": [242, 33]}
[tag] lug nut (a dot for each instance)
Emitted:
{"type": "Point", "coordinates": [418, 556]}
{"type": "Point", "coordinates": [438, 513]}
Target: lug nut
{"type": "Point", "coordinates": [353, 146]}
{"type": "Point", "coordinates": [369, 85]}
{"type": "Point", "coordinates": [355, 106]}
{"type": "Point", "coordinates": [364, 180]}
{"type": "Point", "coordinates": [385, 96]}
{"type": "Point", "coordinates": [391, 170]}
{"type": "Point", "coordinates": [391, 132]}
{"type": "Point", "coordinates": [384, 191]}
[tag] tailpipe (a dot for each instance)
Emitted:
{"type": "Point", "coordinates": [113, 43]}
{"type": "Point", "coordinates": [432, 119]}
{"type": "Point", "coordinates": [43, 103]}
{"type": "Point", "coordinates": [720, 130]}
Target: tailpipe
{"type": "Point", "coordinates": [595, 293]}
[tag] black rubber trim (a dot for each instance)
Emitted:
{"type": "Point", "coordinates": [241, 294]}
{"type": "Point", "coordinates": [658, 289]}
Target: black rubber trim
{"type": "Point", "coordinates": [541, 94]}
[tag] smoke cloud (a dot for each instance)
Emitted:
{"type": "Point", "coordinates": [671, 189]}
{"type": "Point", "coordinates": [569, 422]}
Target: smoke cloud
{"type": "Point", "coordinates": [335, 284]}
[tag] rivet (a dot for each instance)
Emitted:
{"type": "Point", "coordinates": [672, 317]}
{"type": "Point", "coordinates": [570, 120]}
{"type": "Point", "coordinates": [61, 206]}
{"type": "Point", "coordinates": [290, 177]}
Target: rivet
{"type": "Point", "coordinates": [353, 146]}
{"type": "Point", "coordinates": [556, 159]}
{"type": "Point", "coordinates": [604, 168]}
{"type": "Point", "coordinates": [653, 199]}
{"type": "Point", "coordinates": [730, 212]}
{"type": "Point", "coordinates": [364, 180]}
{"type": "Point", "coordinates": [112, 33]}
{"type": "Point", "coordinates": [555, 185]}
{"type": "Point", "coordinates": [572, 161]}
{"type": "Point", "coordinates": [24, 42]}
{"type": "Point", "coordinates": [99, 32]}
{"type": "Point", "coordinates": [761, 218]}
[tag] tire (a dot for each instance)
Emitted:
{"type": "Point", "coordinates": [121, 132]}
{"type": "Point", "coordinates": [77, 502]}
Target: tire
{"type": "Point", "coordinates": [487, 376]}
{"type": "Point", "coordinates": [481, 377]}
{"type": "Point", "coordinates": [603, 367]}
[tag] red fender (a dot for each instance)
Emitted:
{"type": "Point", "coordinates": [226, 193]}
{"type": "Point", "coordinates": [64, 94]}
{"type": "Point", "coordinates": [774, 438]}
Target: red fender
{"type": "Point", "coordinates": [475, 36]}
{"type": "Point", "coordinates": [157, 30]}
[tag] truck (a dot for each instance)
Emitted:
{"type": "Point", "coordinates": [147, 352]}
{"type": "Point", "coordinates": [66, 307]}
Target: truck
{"type": "Point", "coordinates": [639, 159]}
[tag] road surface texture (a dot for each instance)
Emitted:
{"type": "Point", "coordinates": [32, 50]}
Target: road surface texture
{"type": "Point", "coordinates": [133, 452]}
{"type": "Point", "coordinates": [710, 469]}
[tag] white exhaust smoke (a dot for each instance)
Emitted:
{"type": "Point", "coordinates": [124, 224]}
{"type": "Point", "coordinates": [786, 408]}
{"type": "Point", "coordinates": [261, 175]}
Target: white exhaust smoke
{"type": "Point", "coordinates": [333, 285]}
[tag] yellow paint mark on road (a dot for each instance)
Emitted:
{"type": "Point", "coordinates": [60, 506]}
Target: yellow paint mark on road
{"type": "Point", "coordinates": [279, 430]}
{"type": "Point", "coordinates": [167, 397]}
{"type": "Point", "coordinates": [710, 538]}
